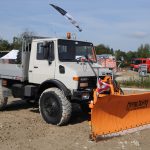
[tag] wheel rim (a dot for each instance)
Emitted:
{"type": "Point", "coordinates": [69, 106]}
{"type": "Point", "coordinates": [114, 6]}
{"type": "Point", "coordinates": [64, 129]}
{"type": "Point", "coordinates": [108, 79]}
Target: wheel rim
{"type": "Point", "coordinates": [51, 109]}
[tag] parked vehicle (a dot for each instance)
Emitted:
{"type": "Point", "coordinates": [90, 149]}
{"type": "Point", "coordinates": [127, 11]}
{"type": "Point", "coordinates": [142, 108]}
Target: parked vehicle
{"type": "Point", "coordinates": [136, 62]}
{"type": "Point", "coordinates": [107, 61]}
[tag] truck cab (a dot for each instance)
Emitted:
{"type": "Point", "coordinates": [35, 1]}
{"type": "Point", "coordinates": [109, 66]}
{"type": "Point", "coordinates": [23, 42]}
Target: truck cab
{"type": "Point", "coordinates": [136, 62]}
{"type": "Point", "coordinates": [63, 61]}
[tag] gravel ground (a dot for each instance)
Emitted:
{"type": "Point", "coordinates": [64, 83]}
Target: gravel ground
{"type": "Point", "coordinates": [22, 128]}
{"type": "Point", "coordinates": [127, 75]}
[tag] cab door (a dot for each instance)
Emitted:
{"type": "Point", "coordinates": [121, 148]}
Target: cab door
{"type": "Point", "coordinates": [42, 67]}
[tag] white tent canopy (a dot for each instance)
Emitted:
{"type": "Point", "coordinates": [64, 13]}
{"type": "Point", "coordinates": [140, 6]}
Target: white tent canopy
{"type": "Point", "coordinates": [11, 55]}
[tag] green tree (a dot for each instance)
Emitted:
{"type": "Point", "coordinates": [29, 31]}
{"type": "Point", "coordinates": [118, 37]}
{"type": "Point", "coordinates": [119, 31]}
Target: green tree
{"type": "Point", "coordinates": [144, 51]}
{"type": "Point", "coordinates": [17, 41]}
{"type": "Point", "coordinates": [4, 45]}
{"type": "Point", "coordinates": [102, 49]}
{"type": "Point", "coordinates": [121, 57]}
{"type": "Point", "coordinates": [130, 55]}
{"type": "Point", "coordinates": [119, 54]}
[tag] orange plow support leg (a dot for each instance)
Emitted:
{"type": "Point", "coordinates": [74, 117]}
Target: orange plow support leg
{"type": "Point", "coordinates": [114, 114]}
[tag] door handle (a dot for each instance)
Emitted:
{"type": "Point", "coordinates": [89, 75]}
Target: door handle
{"type": "Point", "coordinates": [35, 66]}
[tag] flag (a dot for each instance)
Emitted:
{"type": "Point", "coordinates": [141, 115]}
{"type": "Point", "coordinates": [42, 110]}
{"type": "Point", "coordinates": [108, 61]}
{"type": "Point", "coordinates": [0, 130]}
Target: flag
{"type": "Point", "coordinates": [102, 86]}
{"type": "Point", "coordinates": [67, 16]}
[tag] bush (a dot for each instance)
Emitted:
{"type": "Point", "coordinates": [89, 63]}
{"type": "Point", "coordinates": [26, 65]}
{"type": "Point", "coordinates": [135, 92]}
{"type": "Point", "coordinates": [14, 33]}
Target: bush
{"type": "Point", "coordinates": [140, 83]}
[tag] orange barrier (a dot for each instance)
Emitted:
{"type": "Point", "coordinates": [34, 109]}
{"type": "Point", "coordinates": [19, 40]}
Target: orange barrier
{"type": "Point", "coordinates": [115, 113]}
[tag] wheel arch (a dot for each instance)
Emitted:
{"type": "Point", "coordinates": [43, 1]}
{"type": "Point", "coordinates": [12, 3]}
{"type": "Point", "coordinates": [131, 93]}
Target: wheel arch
{"type": "Point", "coordinates": [52, 83]}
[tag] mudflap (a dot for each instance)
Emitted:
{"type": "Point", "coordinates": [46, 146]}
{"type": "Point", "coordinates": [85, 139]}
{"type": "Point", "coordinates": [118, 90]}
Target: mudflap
{"type": "Point", "coordinates": [112, 115]}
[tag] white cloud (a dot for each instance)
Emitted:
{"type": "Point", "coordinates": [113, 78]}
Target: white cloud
{"type": "Point", "coordinates": [140, 34]}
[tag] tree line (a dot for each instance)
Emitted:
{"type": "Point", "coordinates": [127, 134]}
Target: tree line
{"type": "Point", "coordinates": [5, 45]}
{"type": "Point", "coordinates": [142, 52]}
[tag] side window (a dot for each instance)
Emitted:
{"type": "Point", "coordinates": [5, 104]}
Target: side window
{"type": "Point", "coordinates": [45, 51]}
{"type": "Point", "coordinates": [27, 47]}
{"type": "Point", "coordinates": [66, 52]}
{"type": "Point", "coordinates": [40, 51]}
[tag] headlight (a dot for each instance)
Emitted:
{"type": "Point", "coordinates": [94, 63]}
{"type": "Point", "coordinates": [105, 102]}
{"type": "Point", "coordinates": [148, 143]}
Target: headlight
{"type": "Point", "coordinates": [83, 82]}
{"type": "Point", "coordinates": [82, 85]}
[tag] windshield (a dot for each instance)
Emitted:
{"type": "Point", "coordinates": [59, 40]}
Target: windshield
{"type": "Point", "coordinates": [69, 50]}
{"type": "Point", "coordinates": [137, 62]}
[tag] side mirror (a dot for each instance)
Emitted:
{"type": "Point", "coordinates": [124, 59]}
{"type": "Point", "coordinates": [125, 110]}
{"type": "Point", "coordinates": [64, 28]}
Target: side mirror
{"type": "Point", "coordinates": [50, 52]}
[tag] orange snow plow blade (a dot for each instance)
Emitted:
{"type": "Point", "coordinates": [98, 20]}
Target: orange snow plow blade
{"type": "Point", "coordinates": [113, 115]}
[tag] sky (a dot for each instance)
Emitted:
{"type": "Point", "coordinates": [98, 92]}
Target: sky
{"type": "Point", "coordinates": [118, 24]}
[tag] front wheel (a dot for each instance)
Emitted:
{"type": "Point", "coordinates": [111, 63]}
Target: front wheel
{"type": "Point", "coordinates": [55, 107]}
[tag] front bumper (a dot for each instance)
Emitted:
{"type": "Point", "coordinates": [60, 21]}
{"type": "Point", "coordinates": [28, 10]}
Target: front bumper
{"type": "Point", "coordinates": [80, 96]}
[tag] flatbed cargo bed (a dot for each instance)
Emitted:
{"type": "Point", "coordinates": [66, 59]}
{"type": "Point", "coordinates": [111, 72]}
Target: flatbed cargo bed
{"type": "Point", "coordinates": [11, 71]}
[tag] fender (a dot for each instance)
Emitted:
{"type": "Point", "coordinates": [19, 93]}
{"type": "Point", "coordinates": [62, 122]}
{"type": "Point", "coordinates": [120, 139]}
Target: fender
{"type": "Point", "coordinates": [52, 83]}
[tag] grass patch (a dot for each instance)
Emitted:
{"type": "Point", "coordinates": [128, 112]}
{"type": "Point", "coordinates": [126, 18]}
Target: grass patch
{"type": "Point", "coordinates": [139, 83]}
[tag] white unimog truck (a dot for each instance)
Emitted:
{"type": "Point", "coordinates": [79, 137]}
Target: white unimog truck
{"type": "Point", "coordinates": [51, 72]}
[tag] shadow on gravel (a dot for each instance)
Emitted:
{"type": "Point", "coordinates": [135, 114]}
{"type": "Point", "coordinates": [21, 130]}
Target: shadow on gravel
{"type": "Point", "coordinates": [17, 105]}
{"type": "Point", "coordinates": [35, 110]}
{"type": "Point", "coordinates": [78, 115]}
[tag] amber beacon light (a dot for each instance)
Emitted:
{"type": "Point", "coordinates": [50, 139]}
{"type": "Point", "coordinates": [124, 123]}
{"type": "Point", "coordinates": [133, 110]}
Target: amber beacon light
{"type": "Point", "coordinates": [68, 35]}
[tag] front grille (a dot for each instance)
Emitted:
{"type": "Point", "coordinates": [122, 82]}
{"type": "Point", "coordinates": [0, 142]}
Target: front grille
{"type": "Point", "coordinates": [92, 82]}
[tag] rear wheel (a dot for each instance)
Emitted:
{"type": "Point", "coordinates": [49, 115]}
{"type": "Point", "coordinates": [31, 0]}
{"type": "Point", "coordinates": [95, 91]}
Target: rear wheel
{"type": "Point", "coordinates": [3, 102]}
{"type": "Point", "coordinates": [55, 107]}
